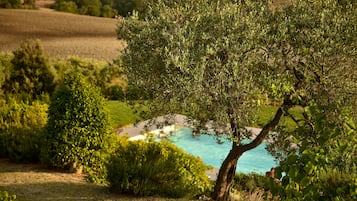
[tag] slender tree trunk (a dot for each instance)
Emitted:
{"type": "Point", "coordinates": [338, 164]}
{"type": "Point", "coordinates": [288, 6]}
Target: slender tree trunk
{"type": "Point", "coordinates": [227, 171]}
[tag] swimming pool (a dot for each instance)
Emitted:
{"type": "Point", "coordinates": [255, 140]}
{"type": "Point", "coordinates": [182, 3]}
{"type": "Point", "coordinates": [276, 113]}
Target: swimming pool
{"type": "Point", "coordinates": [206, 147]}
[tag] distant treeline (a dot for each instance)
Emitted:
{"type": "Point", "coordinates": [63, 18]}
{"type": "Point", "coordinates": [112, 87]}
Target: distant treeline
{"type": "Point", "coordinates": [103, 8]}
{"type": "Point", "coordinates": [108, 8]}
{"type": "Point", "coordinates": [17, 3]}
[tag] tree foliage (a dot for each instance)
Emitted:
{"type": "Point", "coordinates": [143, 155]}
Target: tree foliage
{"type": "Point", "coordinates": [214, 61]}
{"type": "Point", "coordinates": [31, 72]}
{"type": "Point", "coordinates": [10, 3]}
{"type": "Point", "coordinates": [77, 128]}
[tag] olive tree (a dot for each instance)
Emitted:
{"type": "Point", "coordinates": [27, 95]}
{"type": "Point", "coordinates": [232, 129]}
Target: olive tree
{"type": "Point", "coordinates": [77, 128]}
{"type": "Point", "coordinates": [215, 61]}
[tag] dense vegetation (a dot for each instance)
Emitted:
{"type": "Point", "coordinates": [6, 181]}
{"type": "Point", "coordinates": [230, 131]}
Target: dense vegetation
{"type": "Point", "coordinates": [68, 127]}
{"type": "Point", "coordinates": [77, 130]}
{"type": "Point", "coordinates": [17, 3]}
{"type": "Point", "coordinates": [219, 62]}
{"type": "Point", "coordinates": [215, 62]}
{"type": "Point", "coordinates": [153, 168]}
{"type": "Point", "coordinates": [104, 8]}
{"type": "Point", "coordinates": [21, 129]}
{"type": "Point", "coordinates": [31, 72]}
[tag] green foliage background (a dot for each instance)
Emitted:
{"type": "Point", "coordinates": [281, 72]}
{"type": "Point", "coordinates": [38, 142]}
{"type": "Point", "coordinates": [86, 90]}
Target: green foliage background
{"type": "Point", "coordinates": [21, 129]}
{"type": "Point", "coordinates": [4, 196]}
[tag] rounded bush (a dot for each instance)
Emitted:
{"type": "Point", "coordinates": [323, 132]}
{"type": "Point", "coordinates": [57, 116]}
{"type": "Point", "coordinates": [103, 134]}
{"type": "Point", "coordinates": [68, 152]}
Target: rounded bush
{"type": "Point", "coordinates": [153, 168]}
{"type": "Point", "coordinates": [77, 128]}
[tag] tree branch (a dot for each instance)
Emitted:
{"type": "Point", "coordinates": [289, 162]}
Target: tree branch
{"type": "Point", "coordinates": [269, 126]}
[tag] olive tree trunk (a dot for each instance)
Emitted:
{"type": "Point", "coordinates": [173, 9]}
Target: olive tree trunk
{"type": "Point", "coordinates": [227, 171]}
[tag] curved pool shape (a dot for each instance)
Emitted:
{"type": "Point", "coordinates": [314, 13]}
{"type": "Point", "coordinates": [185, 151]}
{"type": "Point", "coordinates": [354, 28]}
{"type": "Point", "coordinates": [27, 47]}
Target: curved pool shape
{"type": "Point", "coordinates": [257, 160]}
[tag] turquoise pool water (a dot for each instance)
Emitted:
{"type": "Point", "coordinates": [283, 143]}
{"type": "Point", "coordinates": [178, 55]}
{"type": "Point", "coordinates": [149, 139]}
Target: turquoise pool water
{"type": "Point", "coordinates": [206, 147]}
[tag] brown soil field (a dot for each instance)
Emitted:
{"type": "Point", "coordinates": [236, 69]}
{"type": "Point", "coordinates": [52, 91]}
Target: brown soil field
{"type": "Point", "coordinates": [61, 34]}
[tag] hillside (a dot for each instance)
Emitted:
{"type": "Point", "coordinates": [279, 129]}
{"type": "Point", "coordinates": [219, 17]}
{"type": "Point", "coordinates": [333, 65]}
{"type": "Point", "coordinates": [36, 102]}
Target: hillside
{"type": "Point", "coordinates": [62, 34]}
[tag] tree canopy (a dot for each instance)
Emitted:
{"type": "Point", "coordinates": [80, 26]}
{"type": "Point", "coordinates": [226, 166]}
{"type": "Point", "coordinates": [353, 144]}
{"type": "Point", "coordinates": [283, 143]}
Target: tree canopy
{"type": "Point", "coordinates": [31, 72]}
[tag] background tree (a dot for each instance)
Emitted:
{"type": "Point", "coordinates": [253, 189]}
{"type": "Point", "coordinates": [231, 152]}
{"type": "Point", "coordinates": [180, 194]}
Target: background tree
{"type": "Point", "coordinates": [10, 3]}
{"type": "Point", "coordinates": [108, 11]}
{"type": "Point", "coordinates": [67, 6]}
{"type": "Point", "coordinates": [212, 61]}
{"type": "Point", "coordinates": [77, 128]}
{"type": "Point", "coordinates": [31, 73]}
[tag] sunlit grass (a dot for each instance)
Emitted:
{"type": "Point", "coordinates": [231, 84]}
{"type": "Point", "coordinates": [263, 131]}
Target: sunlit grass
{"type": "Point", "coordinates": [267, 112]}
{"type": "Point", "coordinates": [123, 113]}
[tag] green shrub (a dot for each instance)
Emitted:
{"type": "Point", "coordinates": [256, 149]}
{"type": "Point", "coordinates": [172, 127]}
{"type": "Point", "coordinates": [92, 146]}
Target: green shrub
{"type": "Point", "coordinates": [21, 129]}
{"type": "Point", "coordinates": [78, 125]}
{"type": "Point", "coordinates": [253, 181]}
{"type": "Point", "coordinates": [338, 185]}
{"type": "Point", "coordinates": [31, 72]}
{"type": "Point", "coordinates": [249, 182]}
{"type": "Point", "coordinates": [5, 69]}
{"type": "Point", "coordinates": [153, 168]}
{"type": "Point", "coordinates": [67, 6]}
{"type": "Point", "coordinates": [4, 196]}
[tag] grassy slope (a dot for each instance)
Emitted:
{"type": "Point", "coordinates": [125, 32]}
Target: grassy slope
{"type": "Point", "coordinates": [121, 114]}
{"type": "Point", "coordinates": [62, 34]}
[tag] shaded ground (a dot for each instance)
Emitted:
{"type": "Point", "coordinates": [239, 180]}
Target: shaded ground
{"type": "Point", "coordinates": [61, 34]}
{"type": "Point", "coordinates": [35, 182]}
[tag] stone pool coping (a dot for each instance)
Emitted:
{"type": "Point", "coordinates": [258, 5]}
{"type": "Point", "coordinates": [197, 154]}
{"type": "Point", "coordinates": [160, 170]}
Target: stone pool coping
{"type": "Point", "coordinates": [163, 124]}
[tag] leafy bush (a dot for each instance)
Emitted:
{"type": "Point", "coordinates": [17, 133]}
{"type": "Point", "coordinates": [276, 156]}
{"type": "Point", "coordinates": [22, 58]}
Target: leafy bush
{"type": "Point", "coordinates": [250, 182]}
{"type": "Point", "coordinates": [67, 6]}
{"type": "Point", "coordinates": [31, 72]}
{"type": "Point", "coordinates": [325, 170]}
{"type": "Point", "coordinates": [21, 129]}
{"type": "Point", "coordinates": [338, 185]}
{"type": "Point", "coordinates": [255, 184]}
{"type": "Point", "coordinates": [4, 196]}
{"type": "Point", "coordinates": [153, 168]}
{"type": "Point", "coordinates": [5, 69]}
{"type": "Point", "coordinates": [77, 129]}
